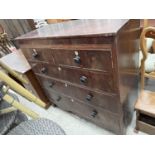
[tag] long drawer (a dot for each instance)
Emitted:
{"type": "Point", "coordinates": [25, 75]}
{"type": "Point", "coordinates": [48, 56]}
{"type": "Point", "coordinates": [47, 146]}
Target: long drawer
{"type": "Point", "coordinates": [107, 101]}
{"type": "Point", "coordinates": [99, 116]}
{"type": "Point", "coordinates": [94, 80]}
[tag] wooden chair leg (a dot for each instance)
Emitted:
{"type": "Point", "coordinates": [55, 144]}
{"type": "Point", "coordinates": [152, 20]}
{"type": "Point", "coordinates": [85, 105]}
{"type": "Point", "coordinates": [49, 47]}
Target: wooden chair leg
{"type": "Point", "coordinates": [9, 99]}
{"type": "Point", "coordinates": [136, 130]}
{"type": "Point", "coordinates": [21, 90]}
{"type": "Point", "coordinates": [7, 110]}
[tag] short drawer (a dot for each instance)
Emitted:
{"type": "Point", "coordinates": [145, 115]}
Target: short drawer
{"type": "Point", "coordinates": [36, 54]}
{"type": "Point", "coordinates": [146, 123]}
{"type": "Point", "coordinates": [91, 59]}
{"type": "Point", "coordinates": [94, 80]}
{"type": "Point", "coordinates": [107, 101]}
{"type": "Point", "coordinates": [147, 128]}
{"type": "Point", "coordinates": [99, 116]}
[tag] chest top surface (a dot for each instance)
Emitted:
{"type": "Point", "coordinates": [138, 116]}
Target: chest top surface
{"type": "Point", "coordinates": [77, 28]}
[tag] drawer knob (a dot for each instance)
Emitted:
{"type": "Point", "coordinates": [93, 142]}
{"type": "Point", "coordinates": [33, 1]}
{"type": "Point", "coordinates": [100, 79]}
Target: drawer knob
{"type": "Point", "coordinates": [58, 98]}
{"type": "Point", "coordinates": [44, 70]}
{"type": "Point", "coordinates": [51, 84]}
{"type": "Point", "coordinates": [89, 97]}
{"type": "Point", "coordinates": [77, 59]}
{"type": "Point", "coordinates": [35, 54]}
{"type": "Point", "coordinates": [83, 79]}
{"type": "Point", "coordinates": [94, 113]}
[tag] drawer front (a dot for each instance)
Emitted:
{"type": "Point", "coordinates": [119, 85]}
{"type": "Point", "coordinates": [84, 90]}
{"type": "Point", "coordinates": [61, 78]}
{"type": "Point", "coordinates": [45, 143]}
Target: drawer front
{"type": "Point", "coordinates": [100, 117]}
{"type": "Point", "coordinates": [95, 80]}
{"type": "Point", "coordinates": [35, 54]}
{"type": "Point", "coordinates": [108, 102]}
{"type": "Point", "coordinates": [147, 128]}
{"type": "Point", "coordinates": [91, 59]}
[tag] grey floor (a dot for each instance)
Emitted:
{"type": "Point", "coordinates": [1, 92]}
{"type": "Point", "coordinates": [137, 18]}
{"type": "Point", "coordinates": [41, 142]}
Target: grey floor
{"type": "Point", "coordinates": [72, 124]}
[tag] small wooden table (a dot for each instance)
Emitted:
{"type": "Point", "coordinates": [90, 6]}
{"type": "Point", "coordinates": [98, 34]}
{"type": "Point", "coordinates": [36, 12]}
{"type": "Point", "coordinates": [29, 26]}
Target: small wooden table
{"type": "Point", "coordinates": [145, 110]}
{"type": "Point", "coordinates": [18, 62]}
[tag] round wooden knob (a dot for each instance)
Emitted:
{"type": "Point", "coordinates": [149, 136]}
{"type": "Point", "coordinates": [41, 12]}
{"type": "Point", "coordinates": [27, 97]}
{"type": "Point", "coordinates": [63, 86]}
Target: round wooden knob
{"type": "Point", "coordinates": [77, 59]}
{"type": "Point", "coordinates": [44, 70]}
{"type": "Point", "coordinates": [58, 98]}
{"type": "Point", "coordinates": [94, 113]}
{"type": "Point", "coordinates": [89, 97]}
{"type": "Point", "coordinates": [83, 79]}
{"type": "Point", "coordinates": [35, 54]}
{"type": "Point", "coordinates": [51, 84]}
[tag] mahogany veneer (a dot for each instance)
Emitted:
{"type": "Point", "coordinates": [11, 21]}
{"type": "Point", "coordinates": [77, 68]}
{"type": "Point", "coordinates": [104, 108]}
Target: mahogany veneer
{"type": "Point", "coordinates": [88, 67]}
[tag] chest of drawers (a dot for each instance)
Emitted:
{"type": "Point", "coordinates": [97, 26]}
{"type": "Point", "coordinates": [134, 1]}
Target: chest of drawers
{"type": "Point", "coordinates": [88, 67]}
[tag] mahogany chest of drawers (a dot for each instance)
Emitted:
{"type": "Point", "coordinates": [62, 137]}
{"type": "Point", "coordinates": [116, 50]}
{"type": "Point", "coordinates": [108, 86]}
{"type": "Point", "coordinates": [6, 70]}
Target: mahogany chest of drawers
{"type": "Point", "coordinates": [88, 67]}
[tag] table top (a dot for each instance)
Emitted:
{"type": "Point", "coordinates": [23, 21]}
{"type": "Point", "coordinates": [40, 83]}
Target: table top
{"type": "Point", "coordinates": [16, 61]}
{"type": "Point", "coordinates": [146, 102]}
{"type": "Point", "coordinates": [84, 27]}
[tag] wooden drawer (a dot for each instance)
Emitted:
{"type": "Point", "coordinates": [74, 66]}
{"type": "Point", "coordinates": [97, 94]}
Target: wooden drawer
{"type": "Point", "coordinates": [147, 128]}
{"type": "Point", "coordinates": [36, 54]}
{"type": "Point", "coordinates": [91, 59]}
{"type": "Point", "coordinates": [109, 102]}
{"type": "Point", "coordinates": [94, 80]}
{"type": "Point", "coordinates": [146, 123]}
{"type": "Point", "coordinates": [97, 115]}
